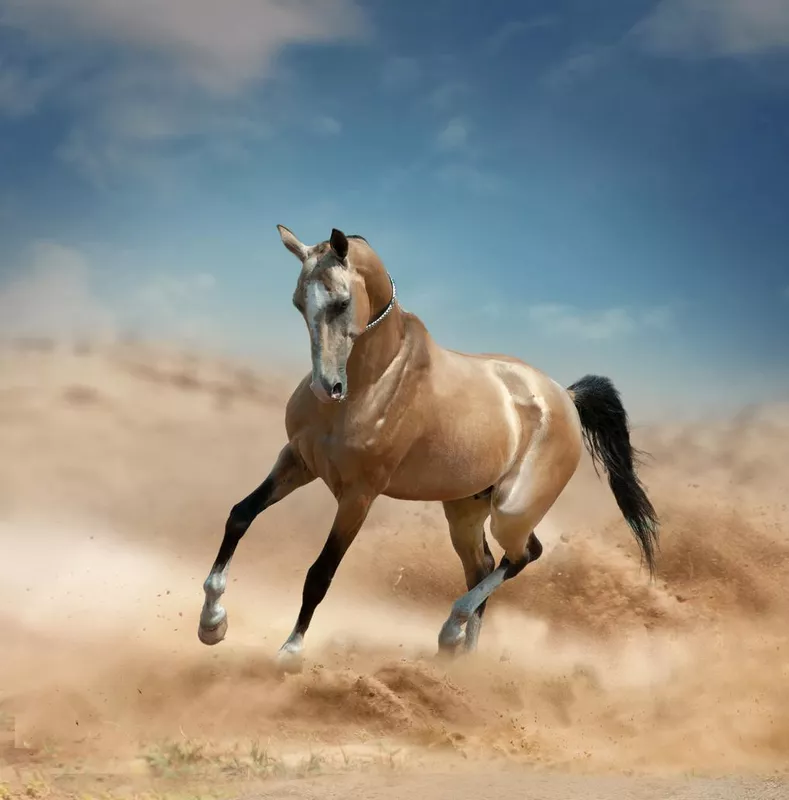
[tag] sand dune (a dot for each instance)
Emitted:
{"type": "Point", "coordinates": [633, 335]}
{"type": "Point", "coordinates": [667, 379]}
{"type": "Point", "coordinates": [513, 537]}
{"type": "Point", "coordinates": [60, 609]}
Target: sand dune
{"type": "Point", "coordinates": [119, 465]}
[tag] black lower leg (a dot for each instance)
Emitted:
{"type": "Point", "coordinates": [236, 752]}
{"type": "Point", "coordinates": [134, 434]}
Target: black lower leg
{"type": "Point", "coordinates": [213, 618]}
{"type": "Point", "coordinates": [351, 513]}
{"type": "Point", "coordinates": [318, 580]}
{"type": "Point", "coordinates": [242, 515]}
{"type": "Point", "coordinates": [288, 474]}
{"type": "Point", "coordinates": [513, 568]}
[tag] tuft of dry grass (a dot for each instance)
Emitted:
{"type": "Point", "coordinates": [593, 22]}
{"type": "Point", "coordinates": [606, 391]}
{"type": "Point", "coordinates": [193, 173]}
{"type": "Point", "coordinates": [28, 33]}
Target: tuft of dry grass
{"type": "Point", "coordinates": [192, 758]}
{"type": "Point", "coordinates": [191, 768]}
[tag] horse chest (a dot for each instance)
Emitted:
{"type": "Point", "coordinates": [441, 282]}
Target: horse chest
{"type": "Point", "coordinates": [358, 437]}
{"type": "Point", "coordinates": [349, 450]}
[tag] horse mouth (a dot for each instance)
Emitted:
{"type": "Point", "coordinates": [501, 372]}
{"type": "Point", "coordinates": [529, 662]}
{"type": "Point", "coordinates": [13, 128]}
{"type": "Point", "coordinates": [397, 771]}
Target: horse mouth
{"type": "Point", "coordinates": [324, 396]}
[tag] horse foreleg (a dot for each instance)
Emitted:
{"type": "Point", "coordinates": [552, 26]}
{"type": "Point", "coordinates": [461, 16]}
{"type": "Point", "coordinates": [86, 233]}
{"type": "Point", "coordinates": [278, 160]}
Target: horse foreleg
{"type": "Point", "coordinates": [289, 473]}
{"type": "Point", "coordinates": [351, 514]}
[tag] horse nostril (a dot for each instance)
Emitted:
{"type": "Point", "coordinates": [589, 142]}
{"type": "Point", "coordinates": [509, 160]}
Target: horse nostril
{"type": "Point", "coordinates": [336, 391]}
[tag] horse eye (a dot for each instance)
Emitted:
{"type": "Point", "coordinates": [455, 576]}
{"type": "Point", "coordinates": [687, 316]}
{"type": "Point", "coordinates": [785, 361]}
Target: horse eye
{"type": "Point", "coordinates": [341, 306]}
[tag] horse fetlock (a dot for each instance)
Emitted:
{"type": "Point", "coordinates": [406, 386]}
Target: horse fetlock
{"type": "Point", "coordinates": [451, 636]}
{"type": "Point", "coordinates": [290, 657]}
{"type": "Point", "coordinates": [215, 585]}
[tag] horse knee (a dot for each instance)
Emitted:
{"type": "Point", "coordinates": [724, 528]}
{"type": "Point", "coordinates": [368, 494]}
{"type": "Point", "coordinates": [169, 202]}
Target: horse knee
{"type": "Point", "coordinates": [240, 518]}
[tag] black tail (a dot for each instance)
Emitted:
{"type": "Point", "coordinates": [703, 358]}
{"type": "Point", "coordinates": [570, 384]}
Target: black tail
{"type": "Point", "coordinates": [607, 436]}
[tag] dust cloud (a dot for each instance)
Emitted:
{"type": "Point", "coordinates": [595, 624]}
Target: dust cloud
{"type": "Point", "coordinates": [119, 466]}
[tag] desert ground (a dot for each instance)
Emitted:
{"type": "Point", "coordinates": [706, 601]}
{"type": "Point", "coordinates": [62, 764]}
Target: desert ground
{"type": "Point", "coordinates": [118, 466]}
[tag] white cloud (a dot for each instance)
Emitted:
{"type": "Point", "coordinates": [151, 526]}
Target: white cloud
{"type": "Point", "coordinates": [99, 156]}
{"type": "Point", "coordinates": [169, 68]}
{"type": "Point", "coordinates": [326, 126]}
{"type": "Point", "coordinates": [577, 67]}
{"type": "Point", "coordinates": [556, 319]}
{"type": "Point", "coordinates": [52, 296]}
{"type": "Point", "coordinates": [166, 292]}
{"type": "Point", "coordinates": [447, 94]}
{"type": "Point", "coordinates": [205, 280]}
{"type": "Point", "coordinates": [20, 92]}
{"type": "Point", "coordinates": [179, 306]}
{"type": "Point", "coordinates": [454, 135]}
{"type": "Point", "coordinates": [470, 178]}
{"type": "Point", "coordinates": [400, 73]}
{"type": "Point", "coordinates": [56, 294]}
{"type": "Point", "coordinates": [661, 317]}
{"type": "Point", "coordinates": [564, 320]}
{"type": "Point", "coordinates": [705, 29]}
{"type": "Point", "coordinates": [690, 29]}
{"type": "Point", "coordinates": [513, 29]}
{"type": "Point", "coordinates": [220, 47]}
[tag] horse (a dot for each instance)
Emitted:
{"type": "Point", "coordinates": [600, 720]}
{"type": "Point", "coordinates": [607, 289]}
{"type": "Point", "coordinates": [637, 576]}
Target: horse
{"type": "Point", "coordinates": [388, 411]}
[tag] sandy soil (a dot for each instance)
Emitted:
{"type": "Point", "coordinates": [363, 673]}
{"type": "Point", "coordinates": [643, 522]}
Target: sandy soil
{"type": "Point", "coordinates": [511, 783]}
{"type": "Point", "coordinates": [119, 465]}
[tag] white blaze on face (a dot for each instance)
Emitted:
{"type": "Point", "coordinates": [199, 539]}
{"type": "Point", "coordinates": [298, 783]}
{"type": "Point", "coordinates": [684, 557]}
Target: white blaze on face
{"type": "Point", "coordinates": [330, 341]}
{"type": "Point", "coordinates": [316, 299]}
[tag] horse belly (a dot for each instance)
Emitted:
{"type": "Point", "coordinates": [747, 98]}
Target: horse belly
{"type": "Point", "coordinates": [461, 456]}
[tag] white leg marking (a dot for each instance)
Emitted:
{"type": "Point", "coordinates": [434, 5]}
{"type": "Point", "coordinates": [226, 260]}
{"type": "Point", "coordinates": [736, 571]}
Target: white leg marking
{"type": "Point", "coordinates": [290, 654]}
{"type": "Point", "coordinates": [213, 617]}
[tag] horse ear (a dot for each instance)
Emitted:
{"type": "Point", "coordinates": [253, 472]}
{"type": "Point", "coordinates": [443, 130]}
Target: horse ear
{"type": "Point", "coordinates": [299, 249]}
{"type": "Point", "coordinates": [339, 243]}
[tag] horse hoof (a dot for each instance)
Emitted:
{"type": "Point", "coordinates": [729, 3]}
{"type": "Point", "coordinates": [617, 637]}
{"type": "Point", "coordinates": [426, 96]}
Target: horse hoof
{"type": "Point", "coordinates": [212, 636]}
{"type": "Point", "coordinates": [290, 662]}
{"type": "Point", "coordinates": [450, 638]}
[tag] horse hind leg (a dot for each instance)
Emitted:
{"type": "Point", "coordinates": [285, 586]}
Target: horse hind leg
{"type": "Point", "coordinates": [466, 520]}
{"type": "Point", "coordinates": [467, 608]}
{"type": "Point", "coordinates": [518, 504]}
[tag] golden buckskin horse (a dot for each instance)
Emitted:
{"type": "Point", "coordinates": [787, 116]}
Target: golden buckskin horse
{"type": "Point", "coordinates": [388, 411]}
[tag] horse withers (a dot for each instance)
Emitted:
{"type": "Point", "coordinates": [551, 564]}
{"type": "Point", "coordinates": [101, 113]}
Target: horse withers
{"type": "Point", "coordinates": [388, 411]}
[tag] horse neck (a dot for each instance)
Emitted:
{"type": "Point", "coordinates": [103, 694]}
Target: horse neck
{"type": "Point", "coordinates": [375, 349]}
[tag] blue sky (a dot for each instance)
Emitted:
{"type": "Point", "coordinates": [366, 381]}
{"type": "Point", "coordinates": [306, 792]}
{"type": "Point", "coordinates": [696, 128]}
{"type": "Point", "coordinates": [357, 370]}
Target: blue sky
{"type": "Point", "coordinates": [590, 186]}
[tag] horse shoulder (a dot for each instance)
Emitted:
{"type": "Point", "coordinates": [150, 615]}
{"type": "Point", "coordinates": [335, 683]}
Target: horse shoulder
{"type": "Point", "coordinates": [299, 410]}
